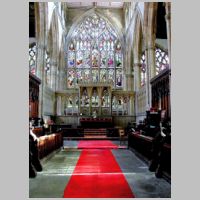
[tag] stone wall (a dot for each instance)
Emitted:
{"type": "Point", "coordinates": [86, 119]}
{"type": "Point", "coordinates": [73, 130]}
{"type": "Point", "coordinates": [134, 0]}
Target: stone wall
{"type": "Point", "coordinates": [48, 102]}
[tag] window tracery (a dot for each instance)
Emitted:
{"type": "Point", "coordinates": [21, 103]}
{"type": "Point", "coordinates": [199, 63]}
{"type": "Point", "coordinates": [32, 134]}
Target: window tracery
{"type": "Point", "coordinates": [32, 59]}
{"type": "Point", "coordinates": [94, 54]}
{"type": "Point", "coordinates": [162, 60]}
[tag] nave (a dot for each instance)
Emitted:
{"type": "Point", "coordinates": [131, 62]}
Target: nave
{"type": "Point", "coordinates": [100, 71]}
{"type": "Point", "coordinates": [59, 168]}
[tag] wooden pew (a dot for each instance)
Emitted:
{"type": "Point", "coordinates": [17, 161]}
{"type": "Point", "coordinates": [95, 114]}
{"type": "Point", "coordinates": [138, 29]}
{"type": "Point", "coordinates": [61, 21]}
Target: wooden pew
{"type": "Point", "coordinates": [143, 145]}
{"type": "Point", "coordinates": [49, 143]}
{"type": "Point", "coordinates": [38, 131]}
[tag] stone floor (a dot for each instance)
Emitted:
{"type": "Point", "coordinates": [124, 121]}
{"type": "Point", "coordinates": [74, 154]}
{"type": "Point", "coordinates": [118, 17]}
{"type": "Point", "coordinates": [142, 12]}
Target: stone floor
{"type": "Point", "coordinates": [57, 170]}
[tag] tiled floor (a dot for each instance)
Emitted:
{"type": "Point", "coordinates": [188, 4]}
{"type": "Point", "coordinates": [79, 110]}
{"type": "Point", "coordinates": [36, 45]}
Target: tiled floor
{"type": "Point", "coordinates": [56, 173]}
{"type": "Point", "coordinates": [58, 168]}
{"type": "Point", "coordinates": [143, 183]}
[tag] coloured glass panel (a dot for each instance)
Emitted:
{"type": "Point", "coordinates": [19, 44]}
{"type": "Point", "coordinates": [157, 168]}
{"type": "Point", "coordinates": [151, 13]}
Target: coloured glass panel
{"type": "Point", "coordinates": [94, 46]}
{"type": "Point", "coordinates": [162, 60]}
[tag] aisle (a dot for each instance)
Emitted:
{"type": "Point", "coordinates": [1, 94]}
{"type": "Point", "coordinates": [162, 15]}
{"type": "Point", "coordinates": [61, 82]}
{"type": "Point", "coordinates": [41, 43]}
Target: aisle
{"type": "Point", "coordinates": [97, 175]}
{"type": "Point", "coordinates": [58, 170]}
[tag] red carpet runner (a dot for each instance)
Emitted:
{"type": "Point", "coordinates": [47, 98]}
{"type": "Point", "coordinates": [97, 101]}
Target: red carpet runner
{"type": "Point", "coordinates": [96, 144]}
{"type": "Point", "coordinates": [97, 175]}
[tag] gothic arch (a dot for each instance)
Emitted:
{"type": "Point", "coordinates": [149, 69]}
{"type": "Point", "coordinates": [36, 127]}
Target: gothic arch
{"type": "Point", "coordinates": [150, 23]}
{"type": "Point", "coordinates": [52, 43]}
{"type": "Point", "coordinates": [81, 18]}
{"type": "Point", "coordinates": [138, 36]}
{"type": "Point", "coordinates": [42, 22]}
{"type": "Point", "coordinates": [102, 72]}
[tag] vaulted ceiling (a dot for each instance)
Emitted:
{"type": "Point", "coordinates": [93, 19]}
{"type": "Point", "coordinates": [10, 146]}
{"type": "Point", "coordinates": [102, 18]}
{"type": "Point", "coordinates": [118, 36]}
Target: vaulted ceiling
{"type": "Point", "coordinates": [161, 23]}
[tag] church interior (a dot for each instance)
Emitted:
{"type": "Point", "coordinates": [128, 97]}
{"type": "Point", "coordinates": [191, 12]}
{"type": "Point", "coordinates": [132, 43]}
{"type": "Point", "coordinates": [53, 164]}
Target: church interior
{"type": "Point", "coordinates": [100, 99]}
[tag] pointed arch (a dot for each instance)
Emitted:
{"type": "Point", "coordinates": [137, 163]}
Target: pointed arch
{"type": "Point", "coordinates": [137, 48]}
{"type": "Point", "coordinates": [138, 35]}
{"type": "Point", "coordinates": [53, 46]}
{"type": "Point", "coordinates": [150, 22]}
{"type": "Point", "coordinates": [89, 13]}
{"type": "Point", "coordinates": [94, 51]}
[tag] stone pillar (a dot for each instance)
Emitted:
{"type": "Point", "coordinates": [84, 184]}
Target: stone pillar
{"type": "Point", "coordinates": [41, 74]}
{"type": "Point", "coordinates": [151, 61]}
{"type": "Point", "coordinates": [57, 79]}
{"type": "Point", "coordinates": [53, 75]}
{"type": "Point", "coordinates": [127, 71]}
{"type": "Point", "coordinates": [62, 104]}
{"type": "Point", "coordinates": [62, 80]}
{"type": "Point", "coordinates": [168, 23]}
{"type": "Point", "coordinates": [129, 82]}
{"type": "Point", "coordinates": [58, 107]}
{"type": "Point", "coordinates": [40, 62]}
{"type": "Point", "coordinates": [131, 104]}
{"type": "Point", "coordinates": [62, 83]}
{"type": "Point", "coordinates": [41, 48]}
{"type": "Point", "coordinates": [137, 76]}
{"type": "Point", "coordinates": [136, 85]}
{"type": "Point", "coordinates": [151, 72]}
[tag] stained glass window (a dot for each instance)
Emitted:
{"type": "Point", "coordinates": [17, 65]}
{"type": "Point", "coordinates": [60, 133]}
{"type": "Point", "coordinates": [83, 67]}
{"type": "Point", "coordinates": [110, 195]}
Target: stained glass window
{"type": "Point", "coordinates": [143, 70]}
{"type": "Point", "coordinates": [32, 59]}
{"type": "Point", "coordinates": [103, 75]}
{"type": "Point", "coordinates": [94, 54]}
{"type": "Point", "coordinates": [162, 60]}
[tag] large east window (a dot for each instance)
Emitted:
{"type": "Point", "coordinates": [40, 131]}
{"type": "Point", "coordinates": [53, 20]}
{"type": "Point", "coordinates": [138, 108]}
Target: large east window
{"type": "Point", "coordinates": [94, 54]}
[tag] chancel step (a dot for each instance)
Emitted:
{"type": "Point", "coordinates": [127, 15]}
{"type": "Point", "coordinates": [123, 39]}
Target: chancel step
{"type": "Point", "coordinates": [95, 136]}
{"type": "Point", "coordinates": [98, 132]}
